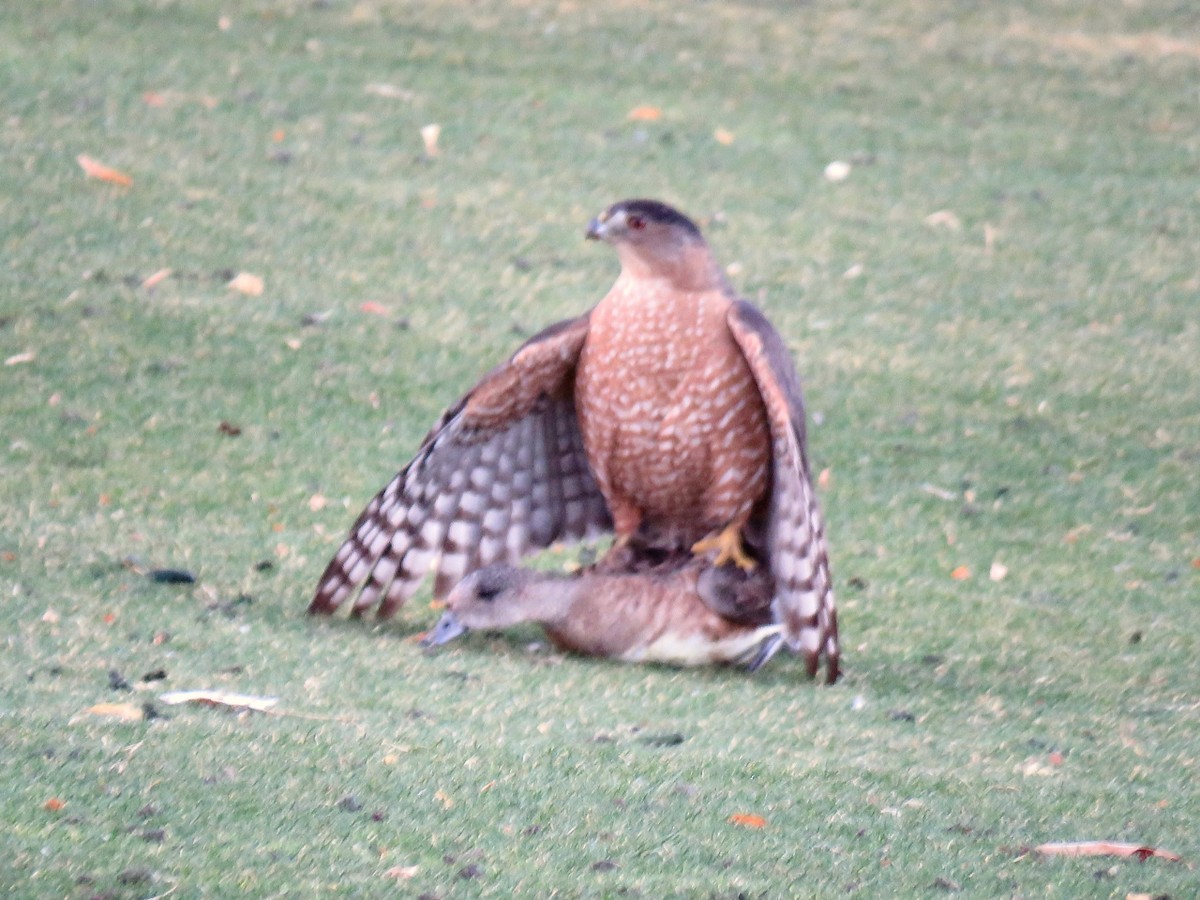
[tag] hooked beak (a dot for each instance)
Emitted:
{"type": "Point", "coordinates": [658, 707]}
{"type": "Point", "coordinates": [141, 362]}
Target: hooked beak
{"type": "Point", "coordinates": [447, 629]}
{"type": "Point", "coordinates": [600, 227]}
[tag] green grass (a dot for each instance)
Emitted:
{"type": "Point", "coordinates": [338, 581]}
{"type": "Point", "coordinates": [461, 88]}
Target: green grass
{"type": "Point", "coordinates": [1045, 379]}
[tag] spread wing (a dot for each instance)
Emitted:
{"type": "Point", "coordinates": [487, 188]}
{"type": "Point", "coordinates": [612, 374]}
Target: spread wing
{"type": "Point", "coordinates": [503, 472]}
{"type": "Point", "coordinates": [790, 518]}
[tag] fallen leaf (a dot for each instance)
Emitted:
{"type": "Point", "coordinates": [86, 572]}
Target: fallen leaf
{"type": "Point", "coordinates": [989, 237]}
{"type": "Point", "coordinates": [944, 218]}
{"type": "Point", "coordinates": [1138, 510]}
{"type": "Point", "coordinates": [93, 169]}
{"type": "Point", "coordinates": [402, 873]}
{"type": "Point", "coordinates": [998, 571]}
{"type": "Point", "coordinates": [171, 576]}
{"type": "Point", "coordinates": [154, 99]}
{"type": "Point", "coordinates": [391, 91]}
{"type": "Point", "coordinates": [838, 170]}
{"type": "Point", "coordinates": [939, 492]}
{"type": "Point", "coordinates": [1074, 534]}
{"type": "Point", "coordinates": [124, 712]}
{"type": "Point", "coordinates": [747, 820]}
{"type": "Point", "coordinates": [1035, 768]}
{"type": "Point", "coordinates": [721, 136]}
{"type": "Point", "coordinates": [824, 479]}
{"type": "Point", "coordinates": [1129, 742]}
{"type": "Point", "coordinates": [53, 804]}
{"type": "Point", "coordinates": [1056, 758]}
{"type": "Point", "coordinates": [18, 358]}
{"type": "Point", "coordinates": [375, 309]}
{"type": "Point", "coordinates": [962, 573]}
{"type": "Point", "coordinates": [663, 739]}
{"type": "Point", "coordinates": [645, 114]}
{"type": "Point", "coordinates": [1104, 848]}
{"type": "Point", "coordinates": [278, 135]}
{"type": "Point", "coordinates": [219, 698]}
{"type": "Point", "coordinates": [443, 798]}
{"type": "Point", "coordinates": [317, 502]}
{"type": "Point", "coordinates": [245, 283]}
{"type": "Point", "coordinates": [1196, 563]}
{"type": "Point", "coordinates": [229, 429]}
{"type": "Point", "coordinates": [50, 617]}
{"type": "Point", "coordinates": [429, 136]}
{"type": "Point", "coordinates": [150, 282]}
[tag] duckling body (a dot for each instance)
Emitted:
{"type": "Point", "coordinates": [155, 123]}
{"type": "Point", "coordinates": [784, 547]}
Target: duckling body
{"type": "Point", "coordinates": [686, 615]}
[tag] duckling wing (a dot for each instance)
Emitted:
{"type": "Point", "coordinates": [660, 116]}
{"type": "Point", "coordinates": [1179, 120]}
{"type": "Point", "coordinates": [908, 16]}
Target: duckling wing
{"type": "Point", "coordinates": [503, 472]}
{"type": "Point", "coordinates": [789, 515]}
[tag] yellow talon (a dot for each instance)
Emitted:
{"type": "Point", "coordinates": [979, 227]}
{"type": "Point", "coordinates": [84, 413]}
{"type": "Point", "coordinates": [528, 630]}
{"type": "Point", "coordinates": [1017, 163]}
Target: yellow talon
{"type": "Point", "coordinates": [728, 544]}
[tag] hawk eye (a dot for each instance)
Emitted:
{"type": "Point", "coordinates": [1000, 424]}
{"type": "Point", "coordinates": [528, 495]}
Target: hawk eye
{"type": "Point", "coordinates": [635, 223]}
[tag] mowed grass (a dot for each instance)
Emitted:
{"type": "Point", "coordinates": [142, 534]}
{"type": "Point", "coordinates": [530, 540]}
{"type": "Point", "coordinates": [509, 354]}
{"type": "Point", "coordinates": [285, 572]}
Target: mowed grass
{"type": "Point", "coordinates": [995, 314]}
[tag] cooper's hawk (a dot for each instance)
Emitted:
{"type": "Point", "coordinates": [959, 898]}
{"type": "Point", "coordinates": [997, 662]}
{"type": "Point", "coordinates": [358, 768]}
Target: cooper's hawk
{"type": "Point", "coordinates": [670, 413]}
{"type": "Point", "coordinates": [674, 613]}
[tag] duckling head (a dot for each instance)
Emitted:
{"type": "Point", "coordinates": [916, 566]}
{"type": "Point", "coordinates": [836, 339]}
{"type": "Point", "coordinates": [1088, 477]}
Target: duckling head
{"type": "Point", "coordinates": [489, 598]}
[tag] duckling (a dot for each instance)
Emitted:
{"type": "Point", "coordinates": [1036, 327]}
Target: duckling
{"type": "Point", "coordinates": [686, 615]}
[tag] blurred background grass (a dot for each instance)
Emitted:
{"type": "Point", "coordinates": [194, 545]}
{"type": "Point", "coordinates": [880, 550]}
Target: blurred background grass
{"type": "Point", "coordinates": [994, 314]}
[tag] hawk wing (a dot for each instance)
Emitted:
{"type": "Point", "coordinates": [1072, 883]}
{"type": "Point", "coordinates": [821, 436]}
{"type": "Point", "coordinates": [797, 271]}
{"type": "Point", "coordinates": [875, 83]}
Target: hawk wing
{"type": "Point", "coordinates": [503, 472]}
{"type": "Point", "coordinates": [789, 517]}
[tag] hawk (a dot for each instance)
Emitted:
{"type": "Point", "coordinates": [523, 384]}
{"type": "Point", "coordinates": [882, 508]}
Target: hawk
{"type": "Point", "coordinates": [669, 414]}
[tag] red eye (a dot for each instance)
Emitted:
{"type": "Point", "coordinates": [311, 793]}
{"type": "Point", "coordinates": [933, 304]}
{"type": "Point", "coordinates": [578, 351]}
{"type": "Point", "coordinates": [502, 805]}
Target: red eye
{"type": "Point", "coordinates": [635, 223]}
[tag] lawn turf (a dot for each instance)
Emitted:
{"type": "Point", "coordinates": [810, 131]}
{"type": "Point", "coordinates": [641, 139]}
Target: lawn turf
{"type": "Point", "coordinates": [995, 315]}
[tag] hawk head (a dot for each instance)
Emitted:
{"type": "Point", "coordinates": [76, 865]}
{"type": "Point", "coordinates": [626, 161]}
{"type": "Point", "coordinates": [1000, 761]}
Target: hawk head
{"type": "Point", "coordinates": [640, 221]}
{"type": "Point", "coordinates": [652, 239]}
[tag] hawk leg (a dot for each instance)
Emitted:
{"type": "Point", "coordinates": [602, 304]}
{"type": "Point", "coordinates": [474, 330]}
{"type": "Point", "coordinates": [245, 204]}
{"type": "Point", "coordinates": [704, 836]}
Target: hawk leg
{"type": "Point", "coordinates": [728, 544]}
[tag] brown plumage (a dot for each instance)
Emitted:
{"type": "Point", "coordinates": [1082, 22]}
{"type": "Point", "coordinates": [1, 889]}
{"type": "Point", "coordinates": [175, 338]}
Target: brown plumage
{"type": "Point", "coordinates": [670, 413]}
{"type": "Point", "coordinates": [673, 614]}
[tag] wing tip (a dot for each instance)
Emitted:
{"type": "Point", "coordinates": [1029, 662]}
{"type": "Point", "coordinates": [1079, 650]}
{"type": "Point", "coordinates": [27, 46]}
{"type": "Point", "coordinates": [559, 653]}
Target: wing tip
{"type": "Point", "coordinates": [833, 667]}
{"type": "Point", "coordinates": [806, 636]}
{"type": "Point", "coordinates": [327, 599]}
{"type": "Point", "coordinates": [812, 664]}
